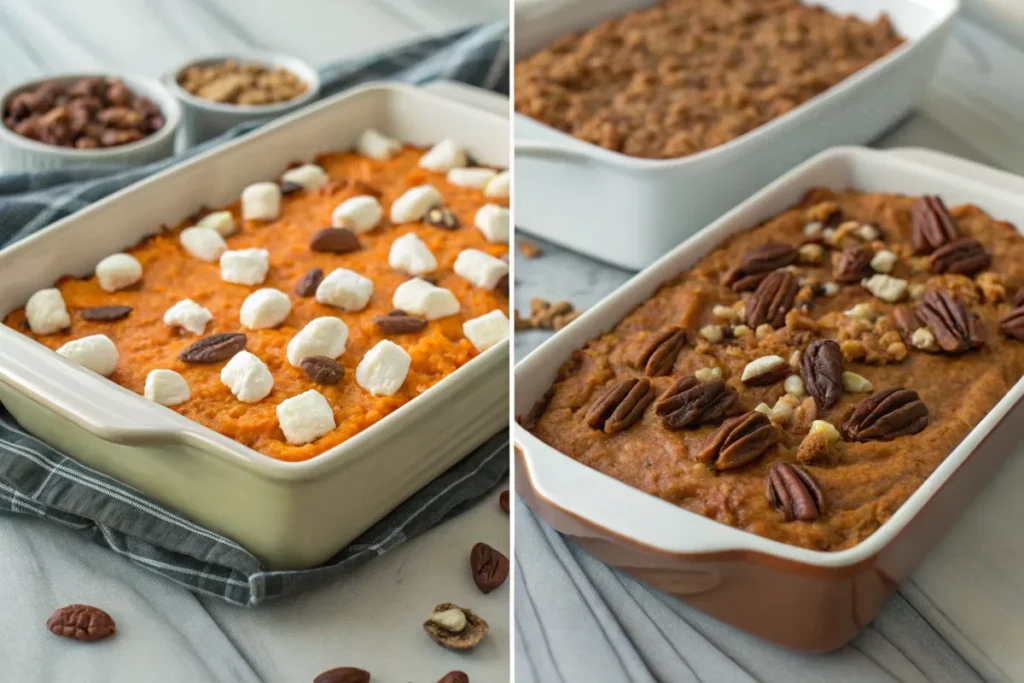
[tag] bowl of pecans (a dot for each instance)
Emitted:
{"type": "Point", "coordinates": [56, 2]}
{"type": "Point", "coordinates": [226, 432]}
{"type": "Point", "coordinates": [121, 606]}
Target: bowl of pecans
{"type": "Point", "coordinates": [86, 120]}
{"type": "Point", "coordinates": [219, 92]}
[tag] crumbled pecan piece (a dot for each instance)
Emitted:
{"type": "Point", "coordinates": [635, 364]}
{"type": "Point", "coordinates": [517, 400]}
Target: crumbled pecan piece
{"type": "Point", "coordinates": [621, 406]}
{"type": "Point", "coordinates": [955, 330]}
{"type": "Point", "coordinates": [772, 299]}
{"type": "Point", "coordinates": [690, 402]}
{"type": "Point", "coordinates": [992, 287]}
{"type": "Point", "coordinates": [813, 447]}
{"type": "Point", "coordinates": [821, 367]}
{"type": "Point", "coordinates": [825, 213]}
{"type": "Point", "coordinates": [886, 415]}
{"type": "Point", "coordinates": [853, 264]}
{"type": "Point", "coordinates": [529, 249]}
{"type": "Point", "coordinates": [739, 441]}
{"type": "Point", "coordinates": [933, 226]}
{"type": "Point", "coordinates": [965, 256]}
{"type": "Point", "coordinates": [791, 489]}
{"type": "Point", "coordinates": [757, 263]}
{"type": "Point", "coordinates": [658, 354]}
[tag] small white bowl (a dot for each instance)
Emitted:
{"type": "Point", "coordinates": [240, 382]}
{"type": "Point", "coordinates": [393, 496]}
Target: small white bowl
{"type": "Point", "coordinates": [18, 153]}
{"type": "Point", "coordinates": [205, 119]}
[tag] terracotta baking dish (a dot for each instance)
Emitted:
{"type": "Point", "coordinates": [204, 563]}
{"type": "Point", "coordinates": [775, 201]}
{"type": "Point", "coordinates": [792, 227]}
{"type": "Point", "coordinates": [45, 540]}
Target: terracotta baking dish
{"type": "Point", "coordinates": [289, 514]}
{"type": "Point", "coordinates": [803, 599]}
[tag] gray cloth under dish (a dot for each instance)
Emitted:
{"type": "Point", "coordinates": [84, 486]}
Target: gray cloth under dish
{"type": "Point", "coordinates": [38, 480]}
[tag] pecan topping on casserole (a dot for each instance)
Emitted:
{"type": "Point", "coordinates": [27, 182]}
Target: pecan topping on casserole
{"type": "Point", "coordinates": [868, 386]}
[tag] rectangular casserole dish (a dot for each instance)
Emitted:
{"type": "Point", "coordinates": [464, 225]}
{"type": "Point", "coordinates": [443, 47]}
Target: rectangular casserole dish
{"type": "Point", "coordinates": [568, 190]}
{"type": "Point", "coordinates": [803, 599]}
{"type": "Point", "coordinates": [290, 515]}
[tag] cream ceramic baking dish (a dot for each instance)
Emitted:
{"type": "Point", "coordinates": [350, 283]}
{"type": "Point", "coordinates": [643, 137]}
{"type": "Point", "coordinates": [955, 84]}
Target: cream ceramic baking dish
{"type": "Point", "coordinates": [804, 599]}
{"type": "Point", "coordinates": [290, 515]}
{"type": "Point", "coordinates": [568, 190]}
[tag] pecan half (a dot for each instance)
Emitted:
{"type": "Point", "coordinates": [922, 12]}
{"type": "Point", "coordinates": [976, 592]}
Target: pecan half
{"type": "Point", "coordinates": [955, 330]}
{"type": "Point", "coordinates": [399, 322]}
{"type": "Point", "coordinates": [933, 226]}
{"type": "Point", "coordinates": [964, 257]}
{"type": "Point", "coordinates": [306, 286]}
{"type": "Point", "coordinates": [792, 489]}
{"type": "Point", "coordinates": [621, 406]}
{"type": "Point", "coordinates": [739, 441]}
{"type": "Point", "coordinates": [216, 347]}
{"type": "Point", "coordinates": [81, 622]}
{"type": "Point", "coordinates": [1013, 324]}
{"type": "Point", "coordinates": [322, 369]}
{"type": "Point", "coordinates": [772, 300]}
{"type": "Point", "coordinates": [757, 263]}
{"type": "Point", "coordinates": [658, 354]}
{"type": "Point", "coordinates": [821, 367]}
{"type": "Point", "coordinates": [440, 217]}
{"type": "Point", "coordinates": [853, 264]}
{"type": "Point", "coordinates": [886, 415]}
{"type": "Point", "coordinates": [106, 313]}
{"type": "Point", "coordinates": [343, 674]}
{"type": "Point", "coordinates": [906, 321]}
{"type": "Point", "coordinates": [489, 567]}
{"type": "Point", "coordinates": [335, 241]}
{"type": "Point", "coordinates": [454, 677]}
{"type": "Point", "coordinates": [689, 403]}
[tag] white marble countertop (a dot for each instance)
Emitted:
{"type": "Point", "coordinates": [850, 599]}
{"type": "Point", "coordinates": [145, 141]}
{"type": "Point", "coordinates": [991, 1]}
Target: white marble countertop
{"type": "Point", "coordinates": [975, 109]}
{"type": "Point", "coordinates": [372, 618]}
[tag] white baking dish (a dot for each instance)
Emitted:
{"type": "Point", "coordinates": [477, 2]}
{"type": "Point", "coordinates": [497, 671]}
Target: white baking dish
{"type": "Point", "coordinates": [288, 514]}
{"type": "Point", "coordinates": [802, 598]}
{"type": "Point", "coordinates": [570, 191]}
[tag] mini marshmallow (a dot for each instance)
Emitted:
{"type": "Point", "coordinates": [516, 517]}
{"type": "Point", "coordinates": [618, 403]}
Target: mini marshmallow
{"type": "Point", "coordinates": [46, 312]}
{"type": "Point", "coordinates": [245, 266]}
{"type": "Point", "coordinates": [499, 185]}
{"type": "Point", "coordinates": [320, 337]}
{"type": "Point", "coordinates": [377, 146]}
{"type": "Point", "coordinates": [221, 221]}
{"type": "Point", "coordinates": [95, 352]}
{"type": "Point", "coordinates": [361, 213]}
{"type": "Point", "coordinates": [480, 268]}
{"type": "Point", "coordinates": [188, 315]}
{"type": "Point", "coordinates": [265, 308]}
{"type": "Point", "coordinates": [383, 369]}
{"type": "Point", "coordinates": [419, 297]}
{"type": "Point", "coordinates": [487, 330]}
{"type": "Point", "coordinates": [414, 204]}
{"type": "Point", "coordinates": [412, 255]}
{"type": "Point", "coordinates": [204, 244]}
{"type": "Point", "coordinates": [471, 177]}
{"type": "Point", "coordinates": [345, 289]}
{"type": "Point", "coordinates": [305, 417]}
{"type": "Point", "coordinates": [310, 176]}
{"type": "Point", "coordinates": [118, 271]}
{"type": "Point", "coordinates": [443, 157]}
{"type": "Point", "coordinates": [492, 220]}
{"type": "Point", "coordinates": [247, 377]}
{"type": "Point", "coordinates": [166, 387]}
{"type": "Point", "coordinates": [261, 201]}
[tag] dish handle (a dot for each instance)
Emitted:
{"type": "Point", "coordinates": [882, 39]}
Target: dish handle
{"type": "Point", "coordinates": [84, 398]}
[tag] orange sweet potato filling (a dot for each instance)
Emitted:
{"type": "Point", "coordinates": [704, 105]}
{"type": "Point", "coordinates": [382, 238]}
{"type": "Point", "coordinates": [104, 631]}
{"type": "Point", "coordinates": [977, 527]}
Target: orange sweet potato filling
{"type": "Point", "coordinates": [171, 274]}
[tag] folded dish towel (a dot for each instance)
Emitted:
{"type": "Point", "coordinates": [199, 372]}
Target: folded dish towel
{"type": "Point", "coordinates": [38, 480]}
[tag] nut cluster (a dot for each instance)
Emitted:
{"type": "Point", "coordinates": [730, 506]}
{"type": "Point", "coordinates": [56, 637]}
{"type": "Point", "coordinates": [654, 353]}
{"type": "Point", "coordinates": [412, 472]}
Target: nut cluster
{"type": "Point", "coordinates": [234, 83]}
{"type": "Point", "coordinates": [88, 113]}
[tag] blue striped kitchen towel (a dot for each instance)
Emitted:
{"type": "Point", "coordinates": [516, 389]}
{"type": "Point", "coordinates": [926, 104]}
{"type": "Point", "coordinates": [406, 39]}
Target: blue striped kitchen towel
{"type": "Point", "coordinates": [36, 479]}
